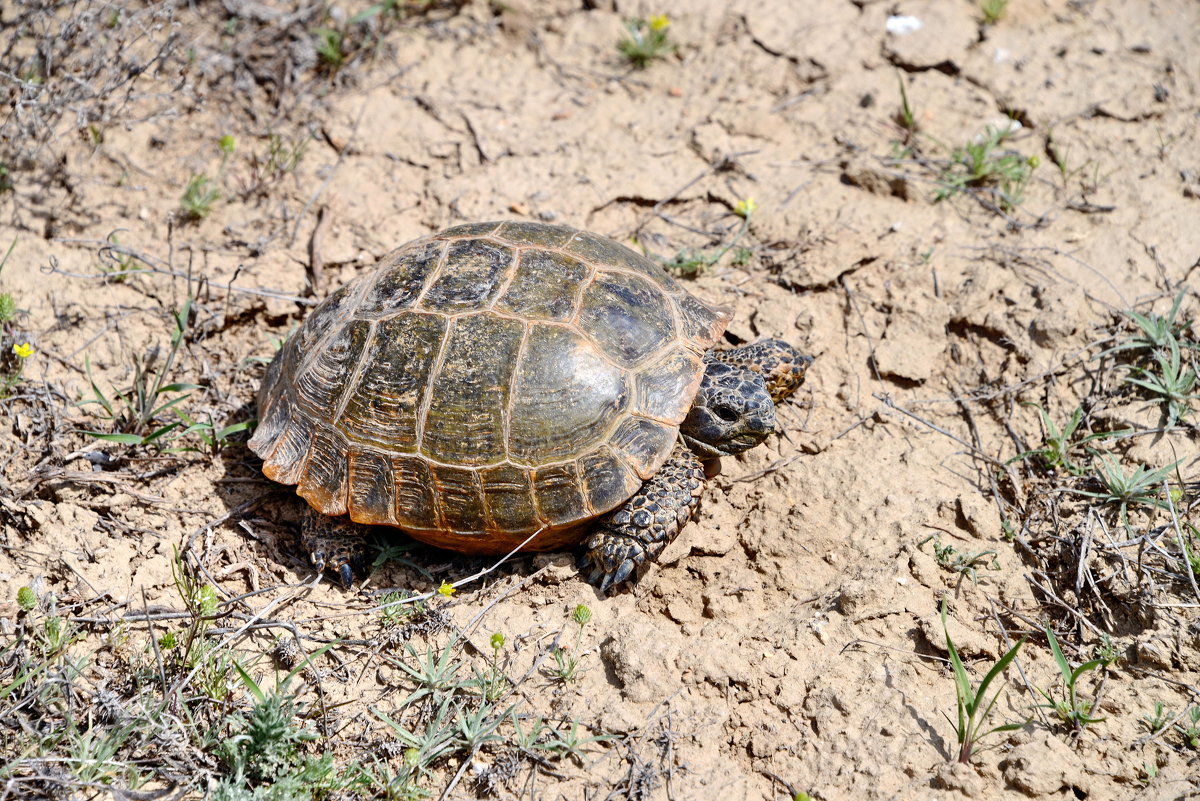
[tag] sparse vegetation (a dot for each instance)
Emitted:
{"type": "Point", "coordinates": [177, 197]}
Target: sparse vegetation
{"type": "Point", "coordinates": [134, 412]}
{"type": "Point", "coordinates": [568, 658]}
{"type": "Point", "coordinates": [646, 40]}
{"type": "Point", "coordinates": [199, 197]}
{"type": "Point", "coordinates": [221, 669]}
{"type": "Point", "coordinates": [331, 48]}
{"type": "Point", "coordinates": [973, 704]}
{"type": "Point", "coordinates": [689, 262]}
{"type": "Point", "coordinates": [1070, 707]}
{"type": "Point", "coordinates": [1189, 728]}
{"type": "Point", "coordinates": [959, 562]}
{"type": "Point", "coordinates": [1055, 453]}
{"type": "Point", "coordinates": [993, 172]}
{"type": "Point", "coordinates": [1139, 488]}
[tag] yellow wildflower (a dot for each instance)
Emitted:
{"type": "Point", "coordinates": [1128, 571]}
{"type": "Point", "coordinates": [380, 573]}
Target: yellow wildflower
{"type": "Point", "coordinates": [744, 208]}
{"type": "Point", "coordinates": [659, 22]}
{"type": "Point", "coordinates": [446, 590]}
{"type": "Point", "coordinates": [23, 351]}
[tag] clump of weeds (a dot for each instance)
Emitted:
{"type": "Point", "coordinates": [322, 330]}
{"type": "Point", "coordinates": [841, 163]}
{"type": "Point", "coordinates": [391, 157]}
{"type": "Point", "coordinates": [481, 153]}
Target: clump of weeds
{"type": "Point", "coordinates": [689, 263]}
{"type": "Point", "coordinates": [134, 412]}
{"type": "Point", "coordinates": [987, 169]}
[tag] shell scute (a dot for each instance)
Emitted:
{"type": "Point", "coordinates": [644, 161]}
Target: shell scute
{"type": "Point", "coordinates": [545, 286]}
{"type": "Point", "coordinates": [565, 396]}
{"type": "Point", "coordinates": [627, 317]}
{"type": "Point", "coordinates": [470, 276]}
{"type": "Point", "coordinates": [400, 278]}
{"type": "Point", "coordinates": [382, 407]}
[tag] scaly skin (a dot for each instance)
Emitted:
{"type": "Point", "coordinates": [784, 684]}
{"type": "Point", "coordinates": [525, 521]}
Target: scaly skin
{"type": "Point", "coordinates": [643, 526]}
{"type": "Point", "coordinates": [336, 543]}
{"type": "Point", "coordinates": [781, 366]}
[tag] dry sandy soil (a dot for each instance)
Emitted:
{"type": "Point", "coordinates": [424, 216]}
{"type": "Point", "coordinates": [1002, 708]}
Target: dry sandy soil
{"type": "Point", "coordinates": [789, 641]}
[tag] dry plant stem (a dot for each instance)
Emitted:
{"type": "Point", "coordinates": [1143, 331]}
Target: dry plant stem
{"type": "Point", "coordinates": [888, 402]}
{"type": "Point", "coordinates": [1183, 551]}
{"type": "Point", "coordinates": [160, 268]}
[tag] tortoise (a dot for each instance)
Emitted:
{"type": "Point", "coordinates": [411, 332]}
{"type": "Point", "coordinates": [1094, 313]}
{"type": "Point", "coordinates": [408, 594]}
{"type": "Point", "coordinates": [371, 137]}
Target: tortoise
{"type": "Point", "coordinates": [500, 386]}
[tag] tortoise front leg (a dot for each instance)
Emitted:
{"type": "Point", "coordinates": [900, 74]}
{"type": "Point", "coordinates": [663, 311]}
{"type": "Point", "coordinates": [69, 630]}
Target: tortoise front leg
{"type": "Point", "coordinates": [337, 543]}
{"type": "Point", "coordinates": [640, 528]}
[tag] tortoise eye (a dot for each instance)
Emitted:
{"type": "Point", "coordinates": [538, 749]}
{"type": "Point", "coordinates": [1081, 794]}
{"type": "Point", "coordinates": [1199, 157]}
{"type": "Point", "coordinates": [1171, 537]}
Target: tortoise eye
{"type": "Point", "coordinates": [725, 413]}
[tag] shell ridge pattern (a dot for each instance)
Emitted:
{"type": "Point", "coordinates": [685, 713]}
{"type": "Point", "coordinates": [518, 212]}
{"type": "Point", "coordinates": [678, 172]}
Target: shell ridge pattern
{"type": "Point", "coordinates": [354, 296]}
{"type": "Point", "coordinates": [672, 306]}
{"type": "Point", "coordinates": [577, 309]}
{"type": "Point", "coordinates": [355, 374]}
{"type": "Point", "coordinates": [510, 274]}
{"type": "Point", "coordinates": [431, 278]}
{"type": "Point", "coordinates": [512, 396]}
{"type": "Point", "coordinates": [427, 391]}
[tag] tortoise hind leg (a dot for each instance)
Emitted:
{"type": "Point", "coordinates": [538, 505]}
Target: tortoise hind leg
{"type": "Point", "coordinates": [640, 528]}
{"type": "Point", "coordinates": [336, 543]}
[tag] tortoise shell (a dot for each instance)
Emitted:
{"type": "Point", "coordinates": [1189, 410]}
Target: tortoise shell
{"type": "Point", "coordinates": [485, 383]}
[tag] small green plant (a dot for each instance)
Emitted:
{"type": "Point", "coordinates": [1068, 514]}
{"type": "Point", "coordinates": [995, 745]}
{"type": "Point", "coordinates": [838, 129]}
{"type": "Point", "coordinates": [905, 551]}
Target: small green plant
{"type": "Point", "coordinates": [1190, 728]}
{"type": "Point", "coordinates": [974, 708]}
{"type": "Point", "coordinates": [906, 117]}
{"type": "Point", "coordinates": [8, 304]}
{"type": "Point", "coordinates": [1157, 332]}
{"type": "Point", "coordinates": [134, 411]}
{"type": "Point", "coordinates": [990, 11]}
{"type": "Point", "coordinates": [492, 682]}
{"type": "Point", "coordinates": [331, 48]}
{"type": "Point", "coordinates": [1106, 650]}
{"type": "Point", "coordinates": [983, 166]}
{"type": "Point", "coordinates": [215, 438]}
{"type": "Point", "coordinates": [281, 159]}
{"type": "Point", "coordinates": [263, 748]}
{"type": "Point", "coordinates": [567, 742]}
{"type": "Point", "coordinates": [1171, 384]}
{"type": "Point", "coordinates": [566, 663]}
{"type": "Point", "coordinates": [199, 197]}
{"type": "Point", "coordinates": [1070, 708]}
{"type": "Point", "coordinates": [1157, 721]}
{"type": "Point", "coordinates": [1055, 453]}
{"type": "Point", "coordinates": [435, 672]}
{"type": "Point", "coordinates": [646, 40]}
{"type": "Point", "coordinates": [1139, 488]}
{"type": "Point", "coordinates": [202, 192]}
{"type": "Point", "coordinates": [22, 352]}
{"type": "Point", "coordinates": [1191, 547]}
{"type": "Point", "coordinates": [954, 560]}
{"type": "Point", "coordinates": [117, 265]}
{"type": "Point", "coordinates": [26, 599]}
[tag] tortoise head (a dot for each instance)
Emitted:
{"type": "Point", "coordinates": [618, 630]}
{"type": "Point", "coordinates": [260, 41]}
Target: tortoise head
{"type": "Point", "coordinates": [734, 409]}
{"type": "Point", "coordinates": [732, 412]}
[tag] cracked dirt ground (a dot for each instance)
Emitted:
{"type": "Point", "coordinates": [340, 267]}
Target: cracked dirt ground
{"type": "Point", "coordinates": [789, 640]}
